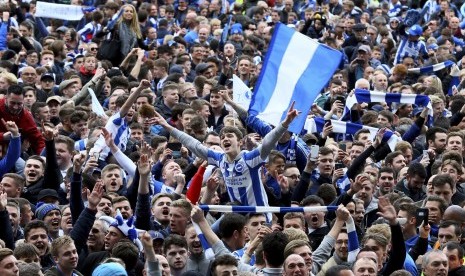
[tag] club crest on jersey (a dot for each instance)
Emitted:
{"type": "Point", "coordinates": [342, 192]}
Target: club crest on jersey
{"type": "Point", "coordinates": [239, 167]}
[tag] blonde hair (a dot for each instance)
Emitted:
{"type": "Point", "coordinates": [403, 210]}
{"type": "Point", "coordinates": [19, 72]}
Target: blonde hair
{"type": "Point", "coordinates": [295, 234]}
{"type": "Point", "coordinates": [380, 229]}
{"type": "Point", "coordinates": [435, 99]}
{"type": "Point", "coordinates": [134, 22]}
{"type": "Point", "coordinates": [9, 77]}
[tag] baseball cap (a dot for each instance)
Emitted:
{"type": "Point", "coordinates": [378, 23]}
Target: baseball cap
{"type": "Point", "coordinates": [54, 98]}
{"type": "Point", "coordinates": [415, 30]}
{"type": "Point", "coordinates": [47, 76]}
{"type": "Point", "coordinates": [364, 48]}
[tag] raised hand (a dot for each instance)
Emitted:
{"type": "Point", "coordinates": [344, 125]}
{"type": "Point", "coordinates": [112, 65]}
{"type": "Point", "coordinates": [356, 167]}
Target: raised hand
{"type": "Point", "coordinates": [144, 165]}
{"type": "Point", "coordinates": [291, 115]}
{"type": "Point", "coordinates": [144, 84]}
{"type": "Point", "coordinates": [225, 95]}
{"type": "Point", "coordinates": [146, 240]}
{"type": "Point", "coordinates": [212, 183]}
{"type": "Point", "coordinates": [48, 132]}
{"type": "Point", "coordinates": [91, 164]}
{"type": "Point", "coordinates": [3, 200]}
{"type": "Point", "coordinates": [342, 213]}
{"type": "Point", "coordinates": [108, 137]}
{"type": "Point", "coordinates": [197, 214]}
{"type": "Point", "coordinates": [386, 210]}
{"type": "Point", "coordinates": [94, 198]}
{"type": "Point", "coordinates": [379, 137]}
{"type": "Point", "coordinates": [158, 119]}
{"type": "Point", "coordinates": [11, 127]}
{"type": "Point", "coordinates": [166, 155]}
{"type": "Point", "coordinates": [78, 161]}
{"type": "Point", "coordinates": [356, 185]}
{"type": "Point", "coordinates": [327, 130]}
{"type": "Point", "coordinates": [99, 72]}
{"type": "Point", "coordinates": [283, 183]}
{"type": "Point", "coordinates": [145, 148]}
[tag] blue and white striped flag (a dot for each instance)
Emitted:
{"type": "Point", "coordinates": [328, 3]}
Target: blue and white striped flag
{"type": "Point", "coordinates": [353, 240]}
{"type": "Point", "coordinates": [315, 125]}
{"type": "Point", "coordinates": [209, 254]}
{"type": "Point", "coordinates": [365, 96]}
{"type": "Point", "coordinates": [431, 68]}
{"type": "Point", "coordinates": [296, 68]}
{"type": "Point", "coordinates": [264, 209]}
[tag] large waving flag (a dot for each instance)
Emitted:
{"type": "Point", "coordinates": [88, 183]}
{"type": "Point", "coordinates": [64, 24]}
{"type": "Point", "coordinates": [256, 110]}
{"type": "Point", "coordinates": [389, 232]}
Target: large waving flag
{"type": "Point", "coordinates": [296, 68]}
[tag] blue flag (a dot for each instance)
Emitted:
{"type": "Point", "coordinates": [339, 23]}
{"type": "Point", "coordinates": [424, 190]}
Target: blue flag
{"type": "Point", "coordinates": [296, 68]}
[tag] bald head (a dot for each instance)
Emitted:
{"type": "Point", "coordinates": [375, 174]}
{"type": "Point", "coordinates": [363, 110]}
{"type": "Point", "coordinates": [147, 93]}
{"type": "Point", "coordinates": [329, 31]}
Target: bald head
{"type": "Point", "coordinates": [362, 84]}
{"type": "Point", "coordinates": [295, 264]}
{"type": "Point", "coordinates": [454, 213]}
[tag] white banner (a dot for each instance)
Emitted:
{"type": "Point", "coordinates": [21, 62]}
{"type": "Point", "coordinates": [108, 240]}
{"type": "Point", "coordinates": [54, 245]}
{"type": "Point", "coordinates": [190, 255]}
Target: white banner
{"type": "Point", "coordinates": [241, 93]}
{"type": "Point", "coordinates": [96, 107]}
{"type": "Point", "coordinates": [59, 11]}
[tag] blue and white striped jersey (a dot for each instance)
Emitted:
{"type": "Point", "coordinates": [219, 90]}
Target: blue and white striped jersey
{"type": "Point", "coordinates": [242, 177]}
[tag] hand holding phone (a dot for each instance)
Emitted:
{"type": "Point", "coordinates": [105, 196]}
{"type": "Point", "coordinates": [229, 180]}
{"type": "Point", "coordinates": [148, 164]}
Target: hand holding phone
{"type": "Point", "coordinates": [314, 149]}
{"type": "Point", "coordinates": [422, 215]}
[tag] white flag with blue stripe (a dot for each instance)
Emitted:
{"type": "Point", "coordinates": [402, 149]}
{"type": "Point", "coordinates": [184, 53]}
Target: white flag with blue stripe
{"type": "Point", "coordinates": [315, 125]}
{"type": "Point", "coordinates": [241, 93]}
{"type": "Point", "coordinates": [431, 68]}
{"type": "Point", "coordinates": [296, 68]}
{"type": "Point", "coordinates": [365, 96]}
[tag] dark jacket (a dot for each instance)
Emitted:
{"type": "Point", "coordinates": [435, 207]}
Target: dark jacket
{"type": "Point", "coordinates": [54, 272]}
{"type": "Point", "coordinates": [317, 236]}
{"type": "Point", "coordinates": [52, 176]}
{"type": "Point", "coordinates": [457, 272]}
{"type": "Point", "coordinates": [415, 195]}
{"type": "Point", "coordinates": [7, 232]}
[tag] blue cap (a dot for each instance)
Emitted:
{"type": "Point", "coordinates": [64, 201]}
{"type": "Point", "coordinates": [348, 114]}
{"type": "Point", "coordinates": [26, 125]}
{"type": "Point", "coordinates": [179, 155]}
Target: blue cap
{"type": "Point", "coordinates": [236, 28]}
{"type": "Point", "coordinates": [415, 30]}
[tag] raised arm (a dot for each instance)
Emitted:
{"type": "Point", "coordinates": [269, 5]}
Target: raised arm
{"type": "Point", "coordinates": [153, 268]}
{"type": "Point", "coordinates": [198, 217]}
{"type": "Point", "coordinates": [52, 175]}
{"type": "Point", "coordinates": [271, 139]}
{"type": "Point", "coordinates": [143, 196]}
{"type": "Point", "coordinates": [123, 160]}
{"type": "Point", "coordinates": [144, 84]}
{"type": "Point", "coordinates": [191, 143]}
{"type": "Point", "coordinates": [239, 110]}
{"type": "Point", "coordinates": [14, 148]}
{"type": "Point", "coordinates": [136, 69]}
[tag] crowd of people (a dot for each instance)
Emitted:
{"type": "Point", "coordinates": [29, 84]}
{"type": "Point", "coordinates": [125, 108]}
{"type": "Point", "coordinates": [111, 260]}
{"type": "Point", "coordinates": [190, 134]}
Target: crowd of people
{"type": "Point", "coordinates": [116, 129]}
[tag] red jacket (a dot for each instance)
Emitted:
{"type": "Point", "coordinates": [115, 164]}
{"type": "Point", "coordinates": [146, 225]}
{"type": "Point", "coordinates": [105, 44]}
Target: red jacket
{"type": "Point", "coordinates": [26, 125]}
